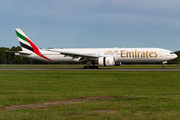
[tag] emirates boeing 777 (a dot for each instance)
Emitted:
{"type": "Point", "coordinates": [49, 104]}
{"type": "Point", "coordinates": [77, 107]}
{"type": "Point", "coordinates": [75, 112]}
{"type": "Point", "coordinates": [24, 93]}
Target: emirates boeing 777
{"type": "Point", "coordinates": [93, 57]}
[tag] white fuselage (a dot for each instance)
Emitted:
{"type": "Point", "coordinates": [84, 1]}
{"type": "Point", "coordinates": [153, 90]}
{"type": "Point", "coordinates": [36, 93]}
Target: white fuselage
{"type": "Point", "coordinates": [120, 54]}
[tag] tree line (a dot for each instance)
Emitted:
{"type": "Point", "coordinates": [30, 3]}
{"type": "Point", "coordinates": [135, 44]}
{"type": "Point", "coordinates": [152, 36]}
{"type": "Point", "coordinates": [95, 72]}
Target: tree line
{"type": "Point", "coordinates": [11, 58]}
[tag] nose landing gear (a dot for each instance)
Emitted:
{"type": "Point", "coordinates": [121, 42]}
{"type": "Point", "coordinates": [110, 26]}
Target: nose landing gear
{"type": "Point", "coordinates": [163, 67]}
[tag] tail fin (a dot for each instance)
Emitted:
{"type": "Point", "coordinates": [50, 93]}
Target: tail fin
{"type": "Point", "coordinates": [27, 44]}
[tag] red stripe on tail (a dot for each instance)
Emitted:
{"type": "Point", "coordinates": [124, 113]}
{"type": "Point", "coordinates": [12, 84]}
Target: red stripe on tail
{"type": "Point", "coordinates": [36, 50]}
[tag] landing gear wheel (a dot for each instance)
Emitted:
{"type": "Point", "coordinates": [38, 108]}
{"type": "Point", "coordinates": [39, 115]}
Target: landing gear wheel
{"type": "Point", "coordinates": [163, 67]}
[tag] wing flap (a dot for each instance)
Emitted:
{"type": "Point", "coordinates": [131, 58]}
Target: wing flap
{"type": "Point", "coordinates": [76, 55]}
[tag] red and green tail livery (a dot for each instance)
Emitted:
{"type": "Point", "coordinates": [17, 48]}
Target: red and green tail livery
{"type": "Point", "coordinates": [28, 45]}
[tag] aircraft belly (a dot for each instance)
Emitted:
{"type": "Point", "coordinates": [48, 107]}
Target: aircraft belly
{"type": "Point", "coordinates": [136, 59]}
{"type": "Point", "coordinates": [61, 58]}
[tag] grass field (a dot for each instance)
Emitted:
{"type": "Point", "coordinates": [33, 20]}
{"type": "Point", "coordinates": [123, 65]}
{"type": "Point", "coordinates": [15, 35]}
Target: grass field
{"type": "Point", "coordinates": [89, 95]}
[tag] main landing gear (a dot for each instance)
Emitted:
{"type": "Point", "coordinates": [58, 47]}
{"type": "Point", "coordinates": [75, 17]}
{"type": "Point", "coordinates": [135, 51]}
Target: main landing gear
{"type": "Point", "coordinates": [90, 67]}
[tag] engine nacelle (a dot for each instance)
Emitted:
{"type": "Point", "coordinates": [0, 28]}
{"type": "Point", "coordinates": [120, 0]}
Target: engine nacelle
{"type": "Point", "coordinates": [106, 61]}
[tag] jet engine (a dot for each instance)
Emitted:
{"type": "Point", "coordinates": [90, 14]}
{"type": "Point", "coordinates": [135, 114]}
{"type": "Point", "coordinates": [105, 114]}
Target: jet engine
{"type": "Point", "coordinates": [106, 61]}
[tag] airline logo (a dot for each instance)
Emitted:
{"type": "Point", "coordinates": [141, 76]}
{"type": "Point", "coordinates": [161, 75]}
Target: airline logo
{"type": "Point", "coordinates": [135, 53]}
{"type": "Point", "coordinates": [29, 45]}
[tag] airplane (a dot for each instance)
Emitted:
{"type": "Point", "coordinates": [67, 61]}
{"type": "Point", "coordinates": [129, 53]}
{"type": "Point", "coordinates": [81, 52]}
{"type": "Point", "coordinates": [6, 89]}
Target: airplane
{"type": "Point", "coordinates": [94, 57]}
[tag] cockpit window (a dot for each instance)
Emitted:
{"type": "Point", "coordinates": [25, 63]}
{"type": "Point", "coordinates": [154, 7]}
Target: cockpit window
{"type": "Point", "coordinates": [171, 52]}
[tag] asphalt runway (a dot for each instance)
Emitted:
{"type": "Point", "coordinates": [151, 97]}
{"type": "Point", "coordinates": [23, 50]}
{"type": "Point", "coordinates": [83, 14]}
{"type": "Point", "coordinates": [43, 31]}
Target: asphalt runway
{"type": "Point", "coordinates": [80, 69]}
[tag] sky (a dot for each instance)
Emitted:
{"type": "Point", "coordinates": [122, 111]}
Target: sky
{"type": "Point", "coordinates": [92, 23]}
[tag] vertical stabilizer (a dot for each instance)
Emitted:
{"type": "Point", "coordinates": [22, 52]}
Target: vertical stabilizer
{"type": "Point", "coordinates": [27, 44]}
{"type": "Point", "coordinates": [24, 41]}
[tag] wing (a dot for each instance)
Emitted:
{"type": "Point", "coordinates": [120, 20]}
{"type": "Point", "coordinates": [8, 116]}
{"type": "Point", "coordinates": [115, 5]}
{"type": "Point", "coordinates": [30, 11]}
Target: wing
{"type": "Point", "coordinates": [77, 55]}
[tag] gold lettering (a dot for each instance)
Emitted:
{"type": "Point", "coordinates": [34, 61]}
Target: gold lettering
{"type": "Point", "coordinates": [143, 54]}
{"type": "Point", "coordinates": [135, 53]}
{"type": "Point", "coordinates": [122, 52]}
{"type": "Point", "coordinates": [129, 54]}
{"type": "Point", "coordinates": [150, 54]}
{"type": "Point", "coordinates": [155, 52]}
{"type": "Point", "coordinates": [109, 51]}
{"type": "Point", "coordinates": [115, 51]}
{"type": "Point", "coordinates": [147, 53]}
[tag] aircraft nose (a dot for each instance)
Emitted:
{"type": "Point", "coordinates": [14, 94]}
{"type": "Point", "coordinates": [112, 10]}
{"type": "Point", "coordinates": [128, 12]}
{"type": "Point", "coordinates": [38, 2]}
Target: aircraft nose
{"type": "Point", "coordinates": [175, 56]}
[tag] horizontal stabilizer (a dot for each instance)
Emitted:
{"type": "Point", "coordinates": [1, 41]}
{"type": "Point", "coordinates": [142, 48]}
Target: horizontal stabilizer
{"type": "Point", "coordinates": [20, 52]}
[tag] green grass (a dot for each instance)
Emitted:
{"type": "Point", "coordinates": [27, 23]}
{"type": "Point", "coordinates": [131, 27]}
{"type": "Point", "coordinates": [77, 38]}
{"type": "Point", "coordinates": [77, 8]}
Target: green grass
{"type": "Point", "coordinates": [138, 95]}
{"type": "Point", "coordinates": [81, 66]}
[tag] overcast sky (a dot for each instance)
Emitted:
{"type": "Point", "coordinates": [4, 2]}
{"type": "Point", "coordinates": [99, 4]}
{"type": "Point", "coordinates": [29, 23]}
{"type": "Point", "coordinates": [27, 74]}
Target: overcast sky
{"type": "Point", "coordinates": [92, 23]}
